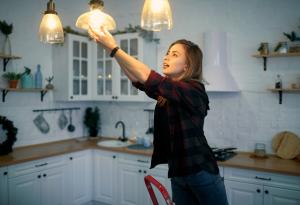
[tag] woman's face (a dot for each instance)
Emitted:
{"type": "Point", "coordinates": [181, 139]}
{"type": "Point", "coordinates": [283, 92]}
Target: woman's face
{"type": "Point", "coordinates": [174, 64]}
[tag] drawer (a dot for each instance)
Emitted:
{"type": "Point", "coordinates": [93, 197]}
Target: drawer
{"type": "Point", "coordinates": [35, 166]}
{"type": "Point", "coordinates": [263, 178]}
{"type": "Point", "coordinates": [130, 158]}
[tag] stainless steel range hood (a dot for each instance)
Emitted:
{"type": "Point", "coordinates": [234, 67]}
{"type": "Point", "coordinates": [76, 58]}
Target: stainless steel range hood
{"type": "Point", "coordinates": [216, 73]}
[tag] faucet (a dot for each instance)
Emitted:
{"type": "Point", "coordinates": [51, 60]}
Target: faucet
{"type": "Point", "coordinates": [123, 138]}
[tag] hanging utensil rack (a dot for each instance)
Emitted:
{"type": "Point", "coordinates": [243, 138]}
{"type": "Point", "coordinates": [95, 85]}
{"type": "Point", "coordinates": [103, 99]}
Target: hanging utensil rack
{"type": "Point", "coordinates": [56, 109]}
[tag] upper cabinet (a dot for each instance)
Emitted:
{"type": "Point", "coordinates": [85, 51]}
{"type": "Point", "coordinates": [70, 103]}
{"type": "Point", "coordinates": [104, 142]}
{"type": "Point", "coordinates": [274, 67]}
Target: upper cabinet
{"type": "Point", "coordinates": [72, 68]}
{"type": "Point", "coordinates": [110, 82]}
{"type": "Point", "coordinates": [83, 70]}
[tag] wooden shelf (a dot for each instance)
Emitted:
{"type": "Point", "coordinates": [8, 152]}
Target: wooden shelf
{"type": "Point", "coordinates": [273, 55]}
{"type": "Point", "coordinates": [6, 58]}
{"type": "Point", "coordinates": [42, 91]}
{"type": "Point", "coordinates": [282, 90]}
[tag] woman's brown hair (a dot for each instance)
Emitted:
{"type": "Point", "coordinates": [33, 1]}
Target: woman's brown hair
{"type": "Point", "coordinates": [194, 60]}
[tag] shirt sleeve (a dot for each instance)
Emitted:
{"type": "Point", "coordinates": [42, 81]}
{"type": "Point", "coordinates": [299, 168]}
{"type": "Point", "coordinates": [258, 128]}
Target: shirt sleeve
{"type": "Point", "coordinates": [187, 93]}
{"type": "Point", "coordinates": [142, 87]}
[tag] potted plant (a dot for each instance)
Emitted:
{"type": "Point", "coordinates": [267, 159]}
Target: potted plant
{"type": "Point", "coordinates": [294, 44]}
{"type": "Point", "coordinates": [12, 78]}
{"type": "Point", "coordinates": [92, 121]}
{"type": "Point", "coordinates": [6, 29]}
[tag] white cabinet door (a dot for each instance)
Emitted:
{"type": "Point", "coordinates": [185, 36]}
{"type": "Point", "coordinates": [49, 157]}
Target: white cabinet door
{"type": "Point", "coordinates": [25, 189]}
{"type": "Point", "coordinates": [278, 196]}
{"type": "Point", "coordinates": [72, 68]}
{"type": "Point", "coordinates": [130, 184]}
{"type": "Point", "coordinates": [3, 186]}
{"type": "Point", "coordinates": [105, 177]}
{"type": "Point", "coordinates": [109, 81]}
{"type": "Point", "coordinates": [243, 193]}
{"type": "Point", "coordinates": [52, 186]}
{"type": "Point", "coordinates": [79, 177]}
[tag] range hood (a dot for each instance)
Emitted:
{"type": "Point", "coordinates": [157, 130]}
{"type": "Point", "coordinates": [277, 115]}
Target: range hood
{"type": "Point", "coordinates": [216, 75]}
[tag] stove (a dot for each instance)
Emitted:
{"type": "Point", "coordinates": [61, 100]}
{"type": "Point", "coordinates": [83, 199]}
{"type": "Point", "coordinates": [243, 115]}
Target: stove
{"type": "Point", "coordinates": [223, 154]}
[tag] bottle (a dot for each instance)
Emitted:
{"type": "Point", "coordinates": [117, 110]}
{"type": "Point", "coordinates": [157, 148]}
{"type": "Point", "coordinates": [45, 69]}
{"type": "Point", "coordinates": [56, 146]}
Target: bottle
{"type": "Point", "coordinates": [38, 78]}
{"type": "Point", "coordinates": [278, 82]}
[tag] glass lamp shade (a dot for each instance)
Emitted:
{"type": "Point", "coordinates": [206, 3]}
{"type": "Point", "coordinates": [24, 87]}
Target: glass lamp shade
{"type": "Point", "coordinates": [95, 18]}
{"type": "Point", "coordinates": [156, 15]}
{"type": "Point", "coordinates": [51, 29]}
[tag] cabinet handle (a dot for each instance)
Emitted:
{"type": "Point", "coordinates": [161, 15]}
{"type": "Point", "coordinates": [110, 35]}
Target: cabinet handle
{"type": "Point", "coordinates": [71, 158]}
{"type": "Point", "coordinates": [258, 190]}
{"type": "Point", "coordinates": [266, 192]}
{"type": "Point", "coordinates": [40, 165]}
{"type": "Point", "coordinates": [140, 171]}
{"type": "Point", "coordinates": [262, 178]}
{"type": "Point", "coordinates": [44, 175]}
{"type": "Point", "coordinates": [145, 172]}
{"type": "Point", "coordinates": [114, 157]}
{"type": "Point", "coordinates": [39, 176]}
{"type": "Point", "coordinates": [5, 173]}
{"type": "Point", "coordinates": [143, 161]}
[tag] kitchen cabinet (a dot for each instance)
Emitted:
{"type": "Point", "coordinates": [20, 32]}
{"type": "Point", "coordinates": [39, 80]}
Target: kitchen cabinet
{"type": "Point", "coordinates": [105, 177]}
{"type": "Point", "coordinates": [3, 186]}
{"type": "Point", "coordinates": [72, 69]}
{"type": "Point", "coordinates": [110, 82]}
{"type": "Point", "coordinates": [38, 182]}
{"type": "Point", "coordinates": [79, 177]}
{"type": "Point", "coordinates": [131, 174]}
{"type": "Point", "coordinates": [249, 187]}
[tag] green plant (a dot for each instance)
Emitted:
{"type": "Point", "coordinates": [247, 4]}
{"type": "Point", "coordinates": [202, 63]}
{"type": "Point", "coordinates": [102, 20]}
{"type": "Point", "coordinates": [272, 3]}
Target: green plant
{"type": "Point", "coordinates": [92, 121]}
{"type": "Point", "coordinates": [292, 36]}
{"type": "Point", "coordinates": [12, 76]}
{"type": "Point", "coordinates": [6, 28]}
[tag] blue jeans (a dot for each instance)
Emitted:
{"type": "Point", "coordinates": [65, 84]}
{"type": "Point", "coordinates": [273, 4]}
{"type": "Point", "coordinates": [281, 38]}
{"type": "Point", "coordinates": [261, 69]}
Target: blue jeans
{"type": "Point", "coordinates": [202, 188]}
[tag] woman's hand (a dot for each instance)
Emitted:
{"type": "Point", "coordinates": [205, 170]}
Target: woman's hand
{"type": "Point", "coordinates": [103, 37]}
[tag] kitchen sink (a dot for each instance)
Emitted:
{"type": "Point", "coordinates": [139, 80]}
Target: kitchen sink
{"type": "Point", "coordinates": [112, 143]}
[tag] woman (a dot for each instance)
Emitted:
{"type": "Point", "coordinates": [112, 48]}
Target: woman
{"type": "Point", "coordinates": [182, 105]}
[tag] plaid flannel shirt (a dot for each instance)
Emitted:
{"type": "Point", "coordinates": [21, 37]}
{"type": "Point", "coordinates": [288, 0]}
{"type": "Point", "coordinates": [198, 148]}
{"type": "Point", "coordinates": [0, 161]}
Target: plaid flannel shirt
{"type": "Point", "coordinates": [180, 139]}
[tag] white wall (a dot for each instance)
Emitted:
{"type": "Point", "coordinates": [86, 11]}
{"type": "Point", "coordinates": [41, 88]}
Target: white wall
{"type": "Point", "coordinates": [240, 119]}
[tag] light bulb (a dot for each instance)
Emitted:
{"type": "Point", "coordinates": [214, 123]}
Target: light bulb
{"type": "Point", "coordinates": [156, 15]}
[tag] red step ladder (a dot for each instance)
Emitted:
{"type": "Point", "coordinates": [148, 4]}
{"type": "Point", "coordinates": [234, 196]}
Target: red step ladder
{"type": "Point", "coordinates": [150, 180]}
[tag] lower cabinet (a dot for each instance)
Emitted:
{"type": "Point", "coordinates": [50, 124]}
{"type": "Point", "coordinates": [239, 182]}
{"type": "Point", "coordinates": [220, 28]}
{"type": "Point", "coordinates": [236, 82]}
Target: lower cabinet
{"type": "Point", "coordinates": [78, 178]}
{"type": "Point", "coordinates": [37, 183]}
{"type": "Point", "coordinates": [3, 186]}
{"type": "Point", "coordinates": [132, 189]}
{"type": "Point", "coordinates": [105, 181]}
{"type": "Point", "coordinates": [249, 187]}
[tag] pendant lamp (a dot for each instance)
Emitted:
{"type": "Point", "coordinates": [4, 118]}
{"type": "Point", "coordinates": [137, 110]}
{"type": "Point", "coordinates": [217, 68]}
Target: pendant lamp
{"type": "Point", "coordinates": [51, 30]}
{"type": "Point", "coordinates": [156, 15]}
{"type": "Point", "coordinates": [95, 17]}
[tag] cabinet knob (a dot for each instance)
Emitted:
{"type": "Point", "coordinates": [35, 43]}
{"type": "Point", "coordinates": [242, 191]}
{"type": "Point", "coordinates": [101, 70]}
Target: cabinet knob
{"type": "Point", "coordinates": [71, 97]}
{"type": "Point", "coordinates": [5, 173]}
{"type": "Point", "coordinates": [258, 190]}
{"type": "Point", "coordinates": [39, 176]}
{"type": "Point", "coordinates": [114, 157]}
{"type": "Point", "coordinates": [44, 175]}
{"type": "Point", "coordinates": [140, 171]}
{"type": "Point", "coordinates": [116, 97]}
{"type": "Point", "coordinates": [71, 158]}
{"type": "Point", "coordinates": [266, 191]}
{"type": "Point", "coordinates": [145, 172]}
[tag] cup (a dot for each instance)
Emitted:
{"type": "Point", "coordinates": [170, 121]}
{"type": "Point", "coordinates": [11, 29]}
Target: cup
{"type": "Point", "coordinates": [260, 150]}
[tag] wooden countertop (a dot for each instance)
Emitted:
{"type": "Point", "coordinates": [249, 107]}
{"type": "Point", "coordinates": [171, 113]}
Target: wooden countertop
{"type": "Point", "coordinates": [241, 160]}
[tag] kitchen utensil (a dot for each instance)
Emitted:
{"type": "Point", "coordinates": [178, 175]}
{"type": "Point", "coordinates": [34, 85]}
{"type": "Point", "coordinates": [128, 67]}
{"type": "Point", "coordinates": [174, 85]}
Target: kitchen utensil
{"type": "Point", "coordinates": [71, 127]}
{"type": "Point", "coordinates": [41, 123]}
{"type": "Point", "coordinates": [62, 120]}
